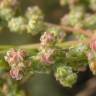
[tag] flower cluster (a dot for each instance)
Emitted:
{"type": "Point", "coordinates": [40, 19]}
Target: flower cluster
{"type": "Point", "coordinates": [17, 24]}
{"type": "Point", "coordinates": [92, 5]}
{"type": "Point", "coordinates": [90, 21]}
{"type": "Point", "coordinates": [58, 33]}
{"type": "Point", "coordinates": [8, 3]}
{"type": "Point", "coordinates": [93, 44]}
{"type": "Point", "coordinates": [92, 56]}
{"type": "Point", "coordinates": [65, 76]}
{"type": "Point", "coordinates": [47, 48]}
{"type": "Point", "coordinates": [6, 13]}
{"type": "Point", "coordinates": [47, 39]}
{"type": "Point", "coordinates": [70, 2]}
{"type": "Point", "coordinates": [46, 56]}
{"type": "Point", "coordinates": [32, 22]}
{"type": "Point", "coordinates": [75, 17]}
{"type": "Point", "coordinates": [92, 62]}
{"type": "Point", "coordinates": [15, 59]}
{"type": "Point", "coordinates": [35, 19]}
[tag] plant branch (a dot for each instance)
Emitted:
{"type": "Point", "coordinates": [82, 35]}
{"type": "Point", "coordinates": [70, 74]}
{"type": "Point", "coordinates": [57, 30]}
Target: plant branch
{"type": "Point", "coordinates": [70, 29]}
{"type": "Point", "coordinates": [37, 46]}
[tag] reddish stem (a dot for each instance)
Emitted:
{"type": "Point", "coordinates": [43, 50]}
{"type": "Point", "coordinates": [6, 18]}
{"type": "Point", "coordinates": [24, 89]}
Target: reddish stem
{"type": "Point", "coordinates": [71, 29]}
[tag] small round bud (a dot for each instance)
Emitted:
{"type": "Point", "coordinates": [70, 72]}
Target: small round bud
{"type": "Point", "coordinates": [6, 13]}
{"type": "Point", "coordinates": [47, 39]}
{"type": "Point", "coordinates": [63, 2]}
{"type": "Point", "coordinates": [15, 56]}
{"type": "Point", "coordinates": [92, 4]}
{"type": "Point", "coordinates": [8, 3]}
{"type": "Point", "coordinates": [93, 45]}
{"type": "Point", "coordinates": [17, 24]}
{"type": "Point", "coordinates": [90, 21]}
{"type": "Point", "coordinates": [34, 11]}
{"type": "Point", "coordinates": [92, 66]}
{"type": "Point", "coordinates": [15, 74]}
{"type": "Point", "coordinates": [58, 33]}
{"type": "Point", "coordinates": [76, 16]}
{"type": "Point", "coordinates": [46, 56]}
{"type": "Point", "coordinates": [35, 20]}
{"type": "Point", "coordinates": [65, 20]}
{"type": "Point", "coordinates": [65, 76]}
{"type": "Point", "coordinates": [15, 59]}
{"type": "Point", "coordinates": [90, 56]}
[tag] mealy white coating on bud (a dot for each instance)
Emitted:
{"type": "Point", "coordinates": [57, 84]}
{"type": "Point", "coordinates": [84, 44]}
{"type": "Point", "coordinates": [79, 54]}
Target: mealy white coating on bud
{"type": "Point", "coordinates": [17, 24]}
{"type": "Point", "coordinates": [46, 56]}
{"type": "Point", "coordinates": [47, 39]}
{"type": "Point", "coordinates": [15, 59]}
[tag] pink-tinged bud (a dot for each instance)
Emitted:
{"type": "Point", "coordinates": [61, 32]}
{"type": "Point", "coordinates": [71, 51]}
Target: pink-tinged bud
{"type": "Point", "coordinates": [90, 56]}
{"type": "Point", "coordinates": [14, 56]}
{"type": "Point", "coordinates": [15, 74]}
{"type": "Point", "coordinates": [47, 38]}
{"type": "Point", "coordinates": [64, 20]}
{"type": "Point", "coordinates": [47, 57]}
{"type": "Point", "coordinates": [92, 67]}
{"type": "Point", "coordinates": [93, 45]}
{"type": "Point", "coordinates": [15, 59]}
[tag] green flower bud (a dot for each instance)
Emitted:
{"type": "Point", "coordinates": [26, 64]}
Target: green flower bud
{"type": "Point", "coordinates": [63, 2]}
{"type": "Point", "coordinates": [65, 76]}
{"type": "Point", "coordinates": [57, 32]}
{"type": "Point", "coordinates": [8, 3]}
{"type": "Point", "coordinates": [92, 4]}
{"type": "Point", "coordinates": [34, 11]}
{"type": "Point", "coordinates": [76, 15]}
{"type": "Point", "coordinates": [6, 13]}
{"type": "Point", "coordinates": [35, 20]}
{"type": "Point", "coordinates": [90, 22]}
{"type": "Point", "coordinates": [17, 24]}
{"type": "Point", "coordinates": [21, 93]}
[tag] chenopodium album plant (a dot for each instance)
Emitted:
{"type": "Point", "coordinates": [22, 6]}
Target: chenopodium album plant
{"type": "Point", "coordinates": [65, 62]}
{"type": "Point", "coordinates": [64, 59]}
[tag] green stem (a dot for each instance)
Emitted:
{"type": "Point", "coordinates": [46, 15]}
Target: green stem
{"type": "Point", "coordinates": [37, 46]}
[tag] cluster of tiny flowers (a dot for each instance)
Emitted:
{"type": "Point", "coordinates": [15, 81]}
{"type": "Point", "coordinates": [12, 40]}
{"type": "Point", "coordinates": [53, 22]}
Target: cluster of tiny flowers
{"type": "Point", "coordinates": [58, 34]}
{"type": "Point", "coordinates": [35, 19]}
{"type": "Point", "coordinates": [92, 56]}
{"type": "Point", "coordinates": [90, 21]}
{"type": "Point", "coordinates": [76, 16]}
{"type": "Point", "coordinates": [46, 48]}
{"type": "Point", "coordinates": [8, 3]}
{"type": "Point", "coordinates": [6, 13]}
{"type": "Point", "coordinates": [65, 76]}
{"type": "Point", "coordinates": [17, 24]}
{"type": "Point", "coordinates": [92, 66]}
{"type": "Point", "coordinates": [32, 22]}
{"type": "Point", "coordinates": [46, 56]}
{"type": "Point", "coordinates": [93, 44]}
{"type": "Point", "coordinates": [47, 39]}
{"type": "Point", "coordinates": [70, 2]}
{"type": "Point", "coordinates": [15, 59]}
{"type": "Point", "coordinates": [63, 2]}
{"type": "Point", "coordinates": [92, 5]}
